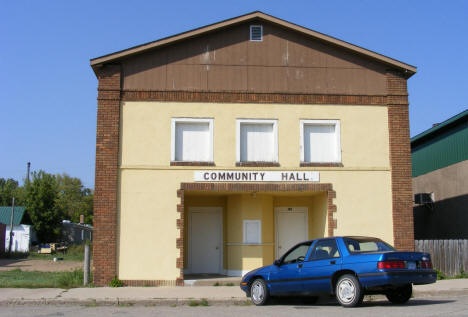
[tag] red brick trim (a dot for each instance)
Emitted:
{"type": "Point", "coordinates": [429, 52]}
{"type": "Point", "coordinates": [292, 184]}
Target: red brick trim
{"type": "Point", "coordinates": [257, 164]}
{"type": "Point", "coordinates": [141, 283]}
{"type": "Point", "coordinates": [238, 97]}
{"type": "Point", "coordinates": [400, 161]}
{"type": "Point", "coordinates": [180, 163]}
{"type": "Point", "coordinates": [310, 164]}
{"type": "Point", "coordinates": [106, 181]}
{"type": "Point", "coordinates": [247, 187]}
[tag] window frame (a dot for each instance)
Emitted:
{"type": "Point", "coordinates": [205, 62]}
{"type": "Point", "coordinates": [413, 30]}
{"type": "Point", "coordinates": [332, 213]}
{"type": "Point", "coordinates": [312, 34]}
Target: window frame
{"type": "Point", "coordinates": [261, 31]}
{"type": "Point", "coordinates": [239, 122]}
{"type": "Point", "coordinates": [176, 120]}
{"type": "Point", "coordinates": [259, 233]}
{"type": "Point", "coordinates": [337, 125]}
{"type": "Point", "coordinates": [309, 243]}
{"type": "Point", "coordinates": [312, 250]}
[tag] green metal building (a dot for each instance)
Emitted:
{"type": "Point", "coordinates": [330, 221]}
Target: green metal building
{"type": "Point", "coordinates": [440, 170]}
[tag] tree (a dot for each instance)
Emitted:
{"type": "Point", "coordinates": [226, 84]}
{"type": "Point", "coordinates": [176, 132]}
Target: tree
{"type": "Point", "coordinates": [74, 199]}
{"type": "Point", "coordinates": [9, 188]}
{"type": "Point", "coordinates": [41, 196]}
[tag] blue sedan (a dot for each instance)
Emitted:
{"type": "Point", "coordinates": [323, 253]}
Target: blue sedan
{"type": "Point", "coordinates": [348, 267]}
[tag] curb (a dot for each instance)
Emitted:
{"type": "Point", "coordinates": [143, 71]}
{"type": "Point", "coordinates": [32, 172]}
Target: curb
{"type": "Point", "coordinates": [441, 293]}
{"type": "Point", "coordinates": [127, 302]}
{"type": "Point", "coordinates": [241, 301]}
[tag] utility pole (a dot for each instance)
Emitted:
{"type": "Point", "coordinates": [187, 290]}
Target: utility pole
{"type": "Point", "coordinates": [86, 265]}
{"type": "Point", "coordinates": [27, 174]}
{"type": "Point", "coordinates": [11, 224]}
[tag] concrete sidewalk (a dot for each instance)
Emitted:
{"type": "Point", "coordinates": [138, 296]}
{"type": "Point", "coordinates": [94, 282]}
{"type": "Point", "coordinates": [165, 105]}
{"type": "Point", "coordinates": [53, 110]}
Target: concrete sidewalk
{"type": "Point", "coordinates": [173, 295]}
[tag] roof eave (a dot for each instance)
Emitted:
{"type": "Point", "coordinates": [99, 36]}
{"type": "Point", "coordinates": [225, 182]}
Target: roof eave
{"type": "Point", "coordinates": [455, 120]}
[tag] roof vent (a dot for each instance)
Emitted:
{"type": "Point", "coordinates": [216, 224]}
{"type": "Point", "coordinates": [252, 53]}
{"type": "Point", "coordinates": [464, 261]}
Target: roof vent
{"type": "Point", "coordinates": [256, 33]}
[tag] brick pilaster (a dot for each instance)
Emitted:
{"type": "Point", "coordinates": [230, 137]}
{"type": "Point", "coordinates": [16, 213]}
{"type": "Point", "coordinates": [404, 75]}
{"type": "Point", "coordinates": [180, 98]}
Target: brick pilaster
{"type": "Point", "coordinates": [400, 161]}
{"type": "Point", "coordinates": [106, 180]}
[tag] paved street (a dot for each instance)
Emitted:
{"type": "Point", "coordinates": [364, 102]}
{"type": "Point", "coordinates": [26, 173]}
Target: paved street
{"type": "Point", "coordinates": [424, 306]}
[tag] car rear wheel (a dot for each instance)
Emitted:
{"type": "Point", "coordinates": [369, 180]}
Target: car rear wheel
{"type": "Point", "coordinates": [400, 295]}
{"type": "Point", "coordinates": [348, 291]}
{"type": "Point", "coordinates": [259, 292]}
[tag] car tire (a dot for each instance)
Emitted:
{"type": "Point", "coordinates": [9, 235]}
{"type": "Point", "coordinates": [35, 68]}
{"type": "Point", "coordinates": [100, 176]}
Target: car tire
{"type": "Point", "coordinates": [348, 291]}
{"type": "Point", "coordinates": [400, 295]}
{"type": "Point", "coordinates": [259, 292]}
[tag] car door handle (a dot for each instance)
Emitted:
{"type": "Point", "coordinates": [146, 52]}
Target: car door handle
{"type": "Point", "coordinates": [299, 266]}
{"type": "Point", "coordinates": [333, 262]}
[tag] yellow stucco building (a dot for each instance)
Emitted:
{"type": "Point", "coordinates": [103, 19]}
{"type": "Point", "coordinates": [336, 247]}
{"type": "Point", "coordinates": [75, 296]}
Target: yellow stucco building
{"type": "Point", "coordinates": [220, 148]}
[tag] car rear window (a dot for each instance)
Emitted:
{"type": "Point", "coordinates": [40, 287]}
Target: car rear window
{"type": "Point", "coordinates": [365, 245]}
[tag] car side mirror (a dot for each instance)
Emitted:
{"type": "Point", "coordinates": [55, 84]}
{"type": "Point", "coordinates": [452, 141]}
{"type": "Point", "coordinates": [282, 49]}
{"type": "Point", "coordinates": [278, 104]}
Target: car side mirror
{"type": "Point", "coordinates": [277, 262]}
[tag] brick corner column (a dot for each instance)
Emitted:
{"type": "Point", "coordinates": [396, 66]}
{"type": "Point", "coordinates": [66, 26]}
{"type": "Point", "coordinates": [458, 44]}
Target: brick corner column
{"type": "Point", "coordinates": [106, 177]}
{"type": "Point", "coordinates": [400, 161]}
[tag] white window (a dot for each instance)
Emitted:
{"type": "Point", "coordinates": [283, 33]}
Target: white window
{"type": "Point", "coordinates": [252, 231]}
{"type": "Point", "coordinates": [320, 141]}
{"type": "Point", "coordinates": [192, 140]}
{"type": "Point", "coordinates": [257, 140]}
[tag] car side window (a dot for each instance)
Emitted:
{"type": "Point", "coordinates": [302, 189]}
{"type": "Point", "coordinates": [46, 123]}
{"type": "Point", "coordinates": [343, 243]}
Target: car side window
{"type": "Point", "coordinates": [297, 254]}
{"type": "Point", "coordinates": [325, 249]}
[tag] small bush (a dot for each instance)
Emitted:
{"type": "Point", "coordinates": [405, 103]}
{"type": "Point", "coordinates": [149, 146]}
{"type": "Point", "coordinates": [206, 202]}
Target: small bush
{"type": "Point", "coordinates": [216, 284]}
{"type": "Point", "coordinates": [115, 282]}
{"type": "Point", "coordinates": [229, 284]}
{"type": "Point", "coordinates": [440, 275]}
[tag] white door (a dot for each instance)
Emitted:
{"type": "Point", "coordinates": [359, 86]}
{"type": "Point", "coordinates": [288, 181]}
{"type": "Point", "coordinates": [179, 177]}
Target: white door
{"type": "Point", "coordinates": [291, 228]}
{"type": "Point", "coordinates": [206, 240]}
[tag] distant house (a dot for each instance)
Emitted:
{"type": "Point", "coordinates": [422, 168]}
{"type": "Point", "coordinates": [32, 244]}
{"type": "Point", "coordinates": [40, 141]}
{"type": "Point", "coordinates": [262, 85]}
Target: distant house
{"type": "Point", "coordinates": [22, 233]}
{"type": "Point", "coordinates": [440, 180]}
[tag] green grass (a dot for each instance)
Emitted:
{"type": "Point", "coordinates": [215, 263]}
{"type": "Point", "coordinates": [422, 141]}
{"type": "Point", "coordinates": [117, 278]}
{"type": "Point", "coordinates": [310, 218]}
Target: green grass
{"type": "Point", "coordinates": [442, 276]}
{"type": "Point", "coordinates": [17, 278]}
{"type": "Point", "coordinates": [75, 252]}
{"type": "Point", "coordinates": [195, 303]}
{"type": "Point", "coordinates": [462, 275]}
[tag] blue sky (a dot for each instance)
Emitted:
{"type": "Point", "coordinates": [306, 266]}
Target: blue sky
{"type": "Point", "coordinates": [48, 90]}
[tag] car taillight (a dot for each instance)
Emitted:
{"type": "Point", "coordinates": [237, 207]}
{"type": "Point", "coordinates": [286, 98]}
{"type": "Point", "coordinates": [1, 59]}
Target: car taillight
{"type": "Point", "coordinates": [426, 264]}
{"type": "Point", "coordinates": [382, 265]}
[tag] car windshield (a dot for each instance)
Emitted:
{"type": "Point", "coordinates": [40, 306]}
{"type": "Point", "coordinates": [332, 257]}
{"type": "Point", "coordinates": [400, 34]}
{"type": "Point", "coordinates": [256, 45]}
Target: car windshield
{"type": "Point", "coordinates": [364, 245]}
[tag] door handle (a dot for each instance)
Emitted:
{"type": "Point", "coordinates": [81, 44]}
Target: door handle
{"type": "Point", "coordinates": [299, 266]}
{"type": "Point", "coordinates": [333, 262]}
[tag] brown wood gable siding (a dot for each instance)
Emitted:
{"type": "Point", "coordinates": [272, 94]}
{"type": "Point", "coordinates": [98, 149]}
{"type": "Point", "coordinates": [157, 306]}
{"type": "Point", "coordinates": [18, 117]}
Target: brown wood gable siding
{"type": "Point", "coordinates": [285, 62]}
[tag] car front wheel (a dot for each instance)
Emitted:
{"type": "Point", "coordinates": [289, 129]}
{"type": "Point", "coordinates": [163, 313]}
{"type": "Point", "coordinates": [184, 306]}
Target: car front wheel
{"type": "Point", "coordinates": [400, 295]}
{"type": "Point", "coordinates": [259, 292]}
{"type": "Point", "coordinates": [348, 291]}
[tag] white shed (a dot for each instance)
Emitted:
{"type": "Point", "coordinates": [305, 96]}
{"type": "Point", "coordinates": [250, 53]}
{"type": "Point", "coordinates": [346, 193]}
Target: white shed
{"type": "Point", "coordinates": [21, 238]}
